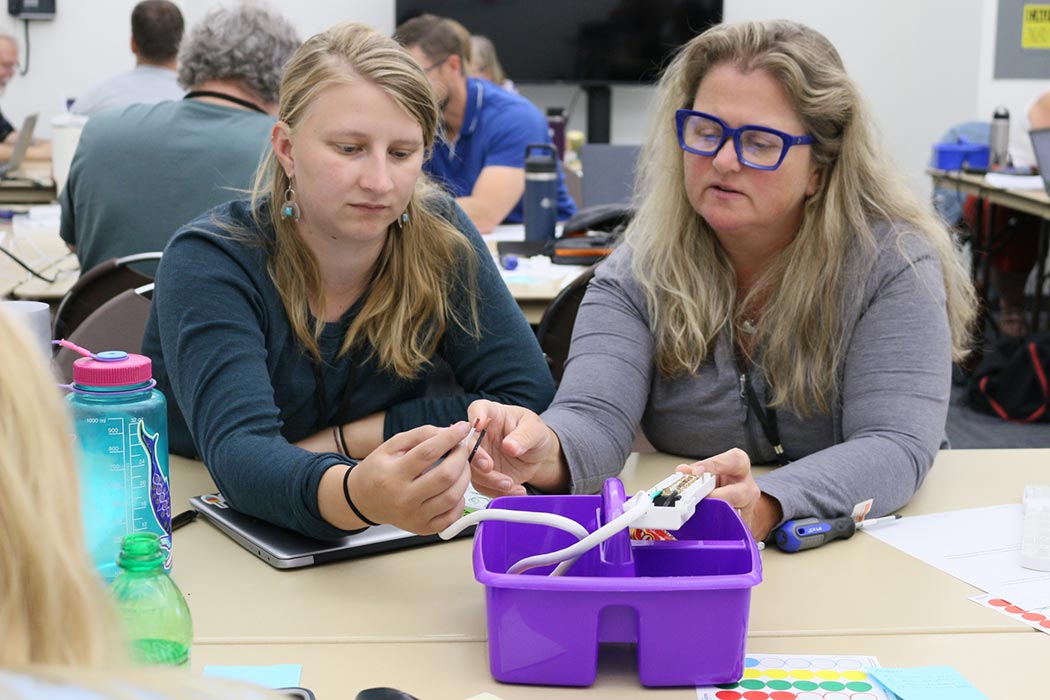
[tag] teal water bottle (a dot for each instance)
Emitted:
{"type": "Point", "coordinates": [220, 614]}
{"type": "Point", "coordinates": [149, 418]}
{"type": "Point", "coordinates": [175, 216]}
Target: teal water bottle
{"type": "Point", "coordinates": [121, 426]}
{"type": "Point", "coordinates": [156, 618]}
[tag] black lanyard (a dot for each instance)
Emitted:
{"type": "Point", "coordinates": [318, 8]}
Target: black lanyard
{"type": "Point", "coordinates": [322, 403]}
{"type": "Point", "coordinates": [223, 96]}
{"type": "Point", "coordinates": [767, 415]}
{"type": "Point", "coordinates": [348, 390]}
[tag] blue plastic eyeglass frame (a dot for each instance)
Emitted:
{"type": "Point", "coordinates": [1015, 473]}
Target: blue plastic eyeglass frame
{"type": "Point", "coordinates": [727, 132]}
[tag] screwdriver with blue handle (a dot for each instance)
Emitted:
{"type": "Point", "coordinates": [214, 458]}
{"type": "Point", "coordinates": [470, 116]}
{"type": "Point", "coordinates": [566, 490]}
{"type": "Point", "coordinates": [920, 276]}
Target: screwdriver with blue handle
{"type": "Point", "coordinates": [810, 533]}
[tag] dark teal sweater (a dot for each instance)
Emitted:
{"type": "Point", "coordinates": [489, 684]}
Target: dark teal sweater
{"type": "Point", "coordinates": [241, 389]}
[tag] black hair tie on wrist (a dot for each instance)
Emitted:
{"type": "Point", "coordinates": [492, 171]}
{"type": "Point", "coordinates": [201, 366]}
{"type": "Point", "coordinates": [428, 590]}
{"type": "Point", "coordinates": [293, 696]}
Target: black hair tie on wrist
{"type": "Point", "coordinates": [350, 501]}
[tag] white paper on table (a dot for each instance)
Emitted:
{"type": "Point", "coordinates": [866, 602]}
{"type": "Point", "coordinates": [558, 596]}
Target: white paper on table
{"type": "Point", "coordinates": [28, 226]}
{"type": "Point", "coordinates": [514, 232]}
{"type": "Point", "coordinates": [981, 546]}
{"type": "Point", "coordinates": [506, 232]}
{"type": "Point", "coordinates": [1015, 182]}
{"type": "Point", "coordinates": [1036, 619]}
{"type": "Point", "coordinates": [39, 247]}
{"type": "Point", "coordinates": [539, 270]}
{"type": "Point", "coordinates": [45, 212]}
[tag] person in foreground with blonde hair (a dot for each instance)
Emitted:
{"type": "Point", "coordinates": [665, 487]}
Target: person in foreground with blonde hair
{"type": "Point", "coordinates": [780, 297]}
{"type": "Point", "coordinates": [61, 634]}
{"type": "Point", "coordinates": [295, 332]}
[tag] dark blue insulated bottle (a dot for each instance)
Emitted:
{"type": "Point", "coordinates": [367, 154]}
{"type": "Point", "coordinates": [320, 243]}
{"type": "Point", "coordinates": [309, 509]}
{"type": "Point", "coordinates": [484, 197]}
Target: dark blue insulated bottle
{"type": "Point", "coordinates": [541, 191]}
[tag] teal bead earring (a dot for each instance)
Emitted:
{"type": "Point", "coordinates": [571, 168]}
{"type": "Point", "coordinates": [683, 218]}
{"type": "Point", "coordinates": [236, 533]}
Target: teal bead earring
{"type": "Point", "coordinates": [290, 207]}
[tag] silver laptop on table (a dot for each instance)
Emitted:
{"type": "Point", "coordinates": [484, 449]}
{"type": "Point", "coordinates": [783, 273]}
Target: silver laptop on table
{"type": "Point", "coordinates": [18, 154]}
{"type": "Point", "coordinates": [284, 549]}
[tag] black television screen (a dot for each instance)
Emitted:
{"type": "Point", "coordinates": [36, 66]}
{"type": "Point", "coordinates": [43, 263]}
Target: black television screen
{"type": "Point", "coordinates": [577, 41]}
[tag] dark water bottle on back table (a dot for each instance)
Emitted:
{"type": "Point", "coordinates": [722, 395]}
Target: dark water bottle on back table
{"type": "Point", "coordinates": [541, 192]}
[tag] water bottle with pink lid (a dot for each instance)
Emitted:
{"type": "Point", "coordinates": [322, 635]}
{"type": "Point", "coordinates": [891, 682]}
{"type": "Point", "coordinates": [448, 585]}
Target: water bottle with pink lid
{"type": "Point", "coordinates": [121, 425]}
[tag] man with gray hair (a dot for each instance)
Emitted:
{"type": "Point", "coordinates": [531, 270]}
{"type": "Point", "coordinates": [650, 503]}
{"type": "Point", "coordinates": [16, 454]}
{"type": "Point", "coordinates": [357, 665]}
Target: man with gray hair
{"type": "Point", "coordinates": [8, 133]}
{"type": "Point", "coordinates": [142, 172]}
{"type": "Point", "coordinates": [156, 31]}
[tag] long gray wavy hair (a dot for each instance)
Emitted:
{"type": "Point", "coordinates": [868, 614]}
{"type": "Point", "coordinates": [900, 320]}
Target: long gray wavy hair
{"type": "Point", "coordinates": [689, 284]}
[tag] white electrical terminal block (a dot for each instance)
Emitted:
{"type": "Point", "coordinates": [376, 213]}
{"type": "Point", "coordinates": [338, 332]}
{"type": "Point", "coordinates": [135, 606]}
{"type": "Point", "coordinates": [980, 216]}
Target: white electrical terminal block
{"type": "Point", "coordinates": [673, 501]}
{"type": "Point", "coordinates": [1035, 538]}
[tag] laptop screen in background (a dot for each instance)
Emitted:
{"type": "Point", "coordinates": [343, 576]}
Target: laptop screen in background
{"type": "Point", "coordinates": [25, 136]}
{"type": "Point", "coordinates": [1041, 147]}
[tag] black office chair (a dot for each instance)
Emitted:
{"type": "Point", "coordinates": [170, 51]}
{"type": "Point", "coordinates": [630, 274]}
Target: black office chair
{"type": "Point", "coordinates": [555, 329]}
{"type": "Point", "coordinates": [97, 286]}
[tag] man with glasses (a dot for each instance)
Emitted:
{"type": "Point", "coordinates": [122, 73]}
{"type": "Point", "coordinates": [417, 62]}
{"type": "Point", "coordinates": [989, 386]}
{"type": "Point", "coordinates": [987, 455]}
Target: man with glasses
{"type": "Point", "coordinates": [481, 159]}
{"type": "Point", "coordinates": [39, 150]}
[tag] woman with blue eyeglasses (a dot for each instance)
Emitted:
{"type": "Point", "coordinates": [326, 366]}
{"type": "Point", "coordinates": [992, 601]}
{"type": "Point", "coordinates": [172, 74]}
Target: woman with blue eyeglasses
{"type": "Point", "coordinates": [780, 297]}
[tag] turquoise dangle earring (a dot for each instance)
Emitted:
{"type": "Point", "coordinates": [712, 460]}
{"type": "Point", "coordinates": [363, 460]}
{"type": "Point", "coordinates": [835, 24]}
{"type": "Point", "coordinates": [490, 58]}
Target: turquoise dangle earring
{"type": "Point", "coordinates": [402, 220]}
{"type": "Point", "coordinates": [290, 207]}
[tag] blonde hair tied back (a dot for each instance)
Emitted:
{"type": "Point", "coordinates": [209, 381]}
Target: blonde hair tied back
{"type": "Point", "coordinates": [408, 306]}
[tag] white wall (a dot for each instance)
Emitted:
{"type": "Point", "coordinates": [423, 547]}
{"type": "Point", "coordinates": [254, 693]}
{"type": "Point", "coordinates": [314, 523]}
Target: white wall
{"type": "Point", "coordinates": [1015, 95]}
{"type": "Point", "coordinates": [914, 61]}
{"type": "Point", "coordinates": [922, 65]}
{"type": "Point", "coordinates": [89, 40]}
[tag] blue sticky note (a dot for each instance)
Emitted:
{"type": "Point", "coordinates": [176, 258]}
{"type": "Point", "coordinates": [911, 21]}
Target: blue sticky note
{"type": "Point", "coordinates": [276, 676]}
{"type": "Point", "coordinates": [927, 683]}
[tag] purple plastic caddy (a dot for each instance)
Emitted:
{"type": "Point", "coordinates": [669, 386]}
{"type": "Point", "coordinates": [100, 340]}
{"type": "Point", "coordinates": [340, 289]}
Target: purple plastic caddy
{"type": "Point", "coordinates": [684, 603]}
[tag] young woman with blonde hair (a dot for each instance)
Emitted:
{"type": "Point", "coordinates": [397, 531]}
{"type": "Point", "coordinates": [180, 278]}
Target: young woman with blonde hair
{"type": "Point", "coordinates": [295, 332]}
{"type": "Point", "coordinates": [781, 296]}
{"type": "Point", "coordinates": [62, 638]}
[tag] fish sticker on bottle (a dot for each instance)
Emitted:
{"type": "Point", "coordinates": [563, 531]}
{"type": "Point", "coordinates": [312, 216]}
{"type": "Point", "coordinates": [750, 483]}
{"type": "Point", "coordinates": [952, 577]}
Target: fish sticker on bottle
{"type": "Point", "coordinates": [159, 493]}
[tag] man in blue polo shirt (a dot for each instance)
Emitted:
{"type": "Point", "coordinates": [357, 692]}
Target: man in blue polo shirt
{"type": "Point", "coordinates": [481, 158]}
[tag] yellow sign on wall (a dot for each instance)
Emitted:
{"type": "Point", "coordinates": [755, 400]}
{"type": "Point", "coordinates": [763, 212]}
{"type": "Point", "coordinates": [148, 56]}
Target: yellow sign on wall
{"type": "Point", "coordinates": [1035, 27]}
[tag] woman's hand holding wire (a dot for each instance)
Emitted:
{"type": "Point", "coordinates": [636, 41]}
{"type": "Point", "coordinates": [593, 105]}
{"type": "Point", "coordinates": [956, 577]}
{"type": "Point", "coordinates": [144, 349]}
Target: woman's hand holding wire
{"type": "Point", "coordinates": [407, 483]}
{"type": "Point", "coordinates": [518, 448]}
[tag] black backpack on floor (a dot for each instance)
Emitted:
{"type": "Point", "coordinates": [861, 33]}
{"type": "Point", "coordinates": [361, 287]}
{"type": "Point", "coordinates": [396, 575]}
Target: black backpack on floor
{"type": "Point", "coordinates": [1013, 380]}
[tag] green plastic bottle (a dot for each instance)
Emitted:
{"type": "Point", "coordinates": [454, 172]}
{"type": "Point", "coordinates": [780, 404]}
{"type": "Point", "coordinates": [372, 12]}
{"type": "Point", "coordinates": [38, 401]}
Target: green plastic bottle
{"type": "Point", "coordinates": [156, 617]}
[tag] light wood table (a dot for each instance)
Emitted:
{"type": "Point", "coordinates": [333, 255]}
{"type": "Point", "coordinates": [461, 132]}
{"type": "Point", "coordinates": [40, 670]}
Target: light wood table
{"type": "Point", "coordinates": [1003, 666]}
{"type": "Point", "coordinates": [855, 587]}
{"type": "Point", "coordinates": [44, 251]}
{"type": "Point", "coordinates": [863, 586]}
{"type": "Point", "coordinates": [32, 184]}
{"type": "Point", "coordinates": [64, 273]}
{"type": "Point", "coordinates": [534, 297]}
{"type": "Point", "coordinates": [533, 291]}
{"type": "Point", "coordinates": [1034, 202]}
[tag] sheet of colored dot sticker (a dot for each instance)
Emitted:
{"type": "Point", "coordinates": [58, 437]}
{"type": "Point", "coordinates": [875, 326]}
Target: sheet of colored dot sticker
{"type": "Point", "coordinates": [801, 677]}
{"type": "Point", "coordinates": [1039, 619]}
